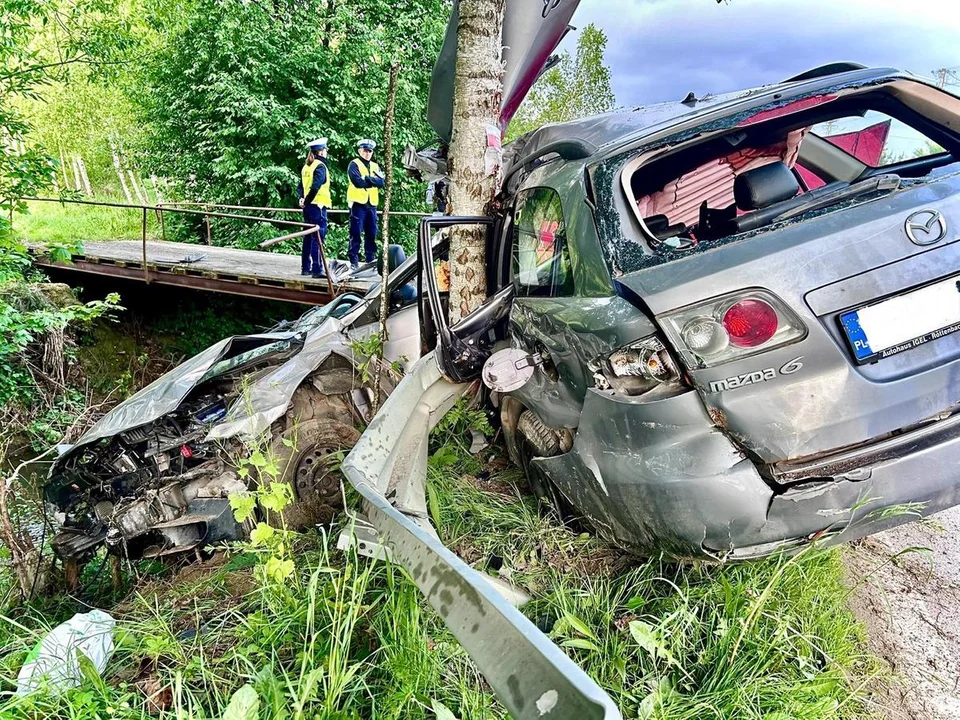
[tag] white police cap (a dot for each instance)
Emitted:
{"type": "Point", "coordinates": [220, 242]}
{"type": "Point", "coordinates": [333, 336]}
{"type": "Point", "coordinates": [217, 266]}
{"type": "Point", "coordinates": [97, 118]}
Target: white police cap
{"type": "Point", "coordinates": [318, 144]}
{"type": "Point", "coordinates": [366, 144]}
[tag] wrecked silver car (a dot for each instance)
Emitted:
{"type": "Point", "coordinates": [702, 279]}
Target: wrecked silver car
{"type": "Point", "coordinates": [737, 313]}
{"type": "Point", "coordinates": [153, 477]}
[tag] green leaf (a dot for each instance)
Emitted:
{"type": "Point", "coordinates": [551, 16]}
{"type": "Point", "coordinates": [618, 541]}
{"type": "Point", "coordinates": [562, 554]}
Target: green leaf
{"type": "Point", "coordinates": [648, 638]}
{"type": "Point", "coordinates": [244, 705]}
{"type": "Point", "coordinates": [581, 643]}
{"type": "Point", "coordinates": [580, 626]}
{"type": "Point", "coordinates": [262, 534]}
{"type": "Point", "coordinates": [279, 570]}
{"type": "Point", "coordinates": [441, 711]}
{"type": "Point", "coordinates": [277, 496]}
{"type": "Point", "coordinates": [433, 503]}
{"type": "Point", "coordinates": [243, 505]}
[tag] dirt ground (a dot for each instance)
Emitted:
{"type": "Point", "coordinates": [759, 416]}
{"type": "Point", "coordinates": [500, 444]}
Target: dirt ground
{"type": "Point", "coordinates": [906, 590]}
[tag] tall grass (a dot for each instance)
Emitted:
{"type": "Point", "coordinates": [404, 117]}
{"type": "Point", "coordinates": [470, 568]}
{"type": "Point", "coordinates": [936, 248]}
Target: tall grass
{"type": "Point", "coordinates": [68, 223]}
{"type": "Point", "coordinates": [347, 638]}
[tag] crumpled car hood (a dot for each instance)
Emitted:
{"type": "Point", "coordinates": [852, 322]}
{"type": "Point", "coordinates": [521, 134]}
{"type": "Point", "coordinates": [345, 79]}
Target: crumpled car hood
{"type": "Point", "coordinates": [262, 402]}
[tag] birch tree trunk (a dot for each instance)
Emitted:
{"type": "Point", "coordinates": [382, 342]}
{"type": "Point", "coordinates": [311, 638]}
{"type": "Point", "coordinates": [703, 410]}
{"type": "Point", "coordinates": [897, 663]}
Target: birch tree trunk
{"type": "Point", "coordinates": [478, 87]}
{"type": "Point", "coordinates": [78, 186]}
{"type": "Point", "coordinates": [83, 176]}
{"type": "Point", "coordinates": [119, 169]}
{"type": "Point", "coordinates": [141, 196]}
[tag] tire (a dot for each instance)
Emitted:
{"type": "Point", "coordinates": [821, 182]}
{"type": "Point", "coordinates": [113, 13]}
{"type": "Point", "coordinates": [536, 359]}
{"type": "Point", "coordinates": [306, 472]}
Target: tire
{"type": "Point", "coordinates": [307, 444]}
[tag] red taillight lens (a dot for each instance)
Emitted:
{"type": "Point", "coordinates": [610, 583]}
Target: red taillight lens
{"type": "Point", "coordinates": [750, 323]}
{"type": "Point", "coordinates": [731, 327]}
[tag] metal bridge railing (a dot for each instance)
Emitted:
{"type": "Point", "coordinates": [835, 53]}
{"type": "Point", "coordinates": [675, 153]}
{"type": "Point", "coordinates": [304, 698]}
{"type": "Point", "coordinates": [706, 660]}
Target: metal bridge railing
{"type": "Point", "coordinates": [214, 210]}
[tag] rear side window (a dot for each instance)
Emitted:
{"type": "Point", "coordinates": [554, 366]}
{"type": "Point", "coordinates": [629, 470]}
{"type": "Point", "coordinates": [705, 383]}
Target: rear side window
{"type": "Point", "coordinates": [541, 257]}
{"type": "Point", "coordinates": [876, 139]}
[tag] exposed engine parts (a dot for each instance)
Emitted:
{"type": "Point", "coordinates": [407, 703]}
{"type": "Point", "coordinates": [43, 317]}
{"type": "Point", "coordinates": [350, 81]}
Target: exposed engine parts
{"type": "Point", "coordinates": [153, 490]}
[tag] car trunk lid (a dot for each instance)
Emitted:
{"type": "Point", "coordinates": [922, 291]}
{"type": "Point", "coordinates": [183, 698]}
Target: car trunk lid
{"type": "Point", "coordinates": [812, 397]}
{"type": "Point", "coordinates": [531, 32]}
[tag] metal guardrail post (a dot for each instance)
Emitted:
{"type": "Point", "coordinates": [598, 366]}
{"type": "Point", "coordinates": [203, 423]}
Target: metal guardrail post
{"type": "Point", "coordinates": [209, 238]}
{"type": "Point", "coordinates": [163, 224]}
{"type": "Point", "coordinates": [143, 239]}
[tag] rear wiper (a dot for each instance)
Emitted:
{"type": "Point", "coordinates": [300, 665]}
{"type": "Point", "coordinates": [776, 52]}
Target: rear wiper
{"type": "Point", "coordinates": [880, 183]}
{"type": "Point", "coordinates": [815, 200]}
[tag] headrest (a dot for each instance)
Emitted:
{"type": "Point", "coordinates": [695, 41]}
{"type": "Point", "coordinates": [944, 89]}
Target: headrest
{"type": "Point", "coordinates": [764, 186]}
{"type": "Point", "coordinates": [395, 258]}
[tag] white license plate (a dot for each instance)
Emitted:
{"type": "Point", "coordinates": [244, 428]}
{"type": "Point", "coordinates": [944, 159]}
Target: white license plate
{"type": "Point", "coordinates": [904, 322]}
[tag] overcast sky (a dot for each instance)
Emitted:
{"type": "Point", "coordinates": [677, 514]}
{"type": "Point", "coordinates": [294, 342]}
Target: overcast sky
{"type": "Point", "coordinates": [661, 49]}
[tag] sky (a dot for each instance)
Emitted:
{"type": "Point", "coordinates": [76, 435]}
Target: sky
{"type": "Point", "coordinates": [662, 49]}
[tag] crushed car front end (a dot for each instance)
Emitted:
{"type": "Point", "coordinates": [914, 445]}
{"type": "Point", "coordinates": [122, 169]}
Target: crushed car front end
{"type": "Point", "coordinates": [153, 477]}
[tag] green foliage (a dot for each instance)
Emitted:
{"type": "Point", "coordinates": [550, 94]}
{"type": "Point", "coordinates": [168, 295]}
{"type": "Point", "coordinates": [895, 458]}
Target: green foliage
{"type": "Point", "coordinates": [237, 88]}
{"type": "Point", "coordinates": [577, 87]}
{"type": "Point", "coordinates": [451, 438]}
{"type": "Point", "coordinates": [344, 637]}
{"type": "Point", "coordinates": [25, 316]}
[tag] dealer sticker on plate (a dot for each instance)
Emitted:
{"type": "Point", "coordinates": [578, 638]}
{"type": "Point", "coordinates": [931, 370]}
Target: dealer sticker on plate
{"type": "Point", "coordinates": [903, 322]}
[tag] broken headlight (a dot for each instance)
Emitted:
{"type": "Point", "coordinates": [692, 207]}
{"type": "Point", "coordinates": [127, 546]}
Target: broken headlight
{"type": "Point", "coordinates": [637, 368]}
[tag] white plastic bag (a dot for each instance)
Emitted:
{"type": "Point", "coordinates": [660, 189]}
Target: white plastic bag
{"type": "Point", "coordinates": [54, 659]}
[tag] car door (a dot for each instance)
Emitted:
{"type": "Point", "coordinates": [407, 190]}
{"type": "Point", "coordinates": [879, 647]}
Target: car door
{"type": "Point", "coordinates": [543, 281]}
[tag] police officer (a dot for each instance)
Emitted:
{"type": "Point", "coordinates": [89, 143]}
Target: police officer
{"type": "Point", "coordinates": [314, 193]}
{"type": "Point", "coordinates": [363, 195]}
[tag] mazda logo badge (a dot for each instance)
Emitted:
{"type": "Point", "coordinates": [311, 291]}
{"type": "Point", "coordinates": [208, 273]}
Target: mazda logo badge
{"type": "Point", "coordinates": [925, 227]}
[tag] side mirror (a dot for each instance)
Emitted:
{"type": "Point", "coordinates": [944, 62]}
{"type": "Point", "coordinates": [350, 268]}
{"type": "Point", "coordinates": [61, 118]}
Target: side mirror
{"type": "Point", "coordinates": [509, 370]}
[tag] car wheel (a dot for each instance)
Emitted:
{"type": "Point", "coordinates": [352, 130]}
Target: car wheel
{"type": "Point", "coordinates": [307, 446]}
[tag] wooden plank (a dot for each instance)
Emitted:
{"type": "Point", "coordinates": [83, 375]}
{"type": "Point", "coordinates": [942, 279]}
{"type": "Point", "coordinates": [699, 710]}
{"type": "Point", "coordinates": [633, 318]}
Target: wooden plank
{"type": "Point", "coordinates": [229, 270]}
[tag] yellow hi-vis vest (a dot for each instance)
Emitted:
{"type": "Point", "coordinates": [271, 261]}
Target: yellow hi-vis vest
{"type": "Point", "coordinates": [363, 195]}
{"type": "Point", "coordinates": [322, 198]}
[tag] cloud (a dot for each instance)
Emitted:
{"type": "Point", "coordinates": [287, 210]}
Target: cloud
{"type": "Point", "coordinates": [662, 49]}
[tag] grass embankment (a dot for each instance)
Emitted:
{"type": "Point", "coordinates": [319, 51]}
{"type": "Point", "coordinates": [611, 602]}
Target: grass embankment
{"type": "Point", "coordinates": [68, 223]}
{"type": "Point", "coordinates": [345, 638]}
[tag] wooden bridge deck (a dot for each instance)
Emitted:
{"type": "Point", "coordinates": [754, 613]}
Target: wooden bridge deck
{"type": "Point", "coordinates": [203, 267]}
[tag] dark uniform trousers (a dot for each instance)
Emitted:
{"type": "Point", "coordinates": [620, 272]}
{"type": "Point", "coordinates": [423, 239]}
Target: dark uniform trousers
{"type": "Point", "coordinates": [363, 218]}
{"type": "Point", "coordinates": [310, 255]}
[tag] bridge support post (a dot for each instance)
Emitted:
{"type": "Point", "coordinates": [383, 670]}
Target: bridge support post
{"type": "Point", "coordinates": [143, 240]}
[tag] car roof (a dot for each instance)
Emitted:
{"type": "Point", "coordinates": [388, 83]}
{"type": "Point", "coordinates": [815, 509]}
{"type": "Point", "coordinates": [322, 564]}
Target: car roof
{"type": "Point", "coordinates": [599, 134]}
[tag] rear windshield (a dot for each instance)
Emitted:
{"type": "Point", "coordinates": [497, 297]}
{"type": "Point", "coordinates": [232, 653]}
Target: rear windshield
{"type": "Point", "coordinates": [779, 165]}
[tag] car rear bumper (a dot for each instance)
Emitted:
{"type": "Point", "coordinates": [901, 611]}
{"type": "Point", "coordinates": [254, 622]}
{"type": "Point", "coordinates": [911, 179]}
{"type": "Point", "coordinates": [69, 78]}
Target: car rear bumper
{"type": "Point", "coordinates": [661, 476]}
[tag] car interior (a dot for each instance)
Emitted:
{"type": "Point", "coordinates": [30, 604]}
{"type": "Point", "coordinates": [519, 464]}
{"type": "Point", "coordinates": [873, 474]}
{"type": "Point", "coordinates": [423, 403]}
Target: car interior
{"type": "Point", "coordinates": [786, 162]}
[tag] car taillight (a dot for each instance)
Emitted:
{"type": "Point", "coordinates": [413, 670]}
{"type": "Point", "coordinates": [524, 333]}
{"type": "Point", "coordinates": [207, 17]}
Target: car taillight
{"type": "Point", "coordinates": [750, 322]}
{"type": "Point", "coordinates": [637, 368]}
{"type": "Point", "coordinates": [732, 327]}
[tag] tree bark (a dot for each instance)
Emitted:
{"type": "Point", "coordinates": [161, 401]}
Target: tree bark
{"type": "Point", "coordinates": [78, 185]}
{"type": "Point", "coordinates": [136, 187]}
{"type": "Point", "coordinates": [387, 196]}
{"type": "Point", "coordinates": [119, 169]}
{"type": "Point", "coordinates": [83, 176]}
{"type": "Point", "coordinates": [474, 166]}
